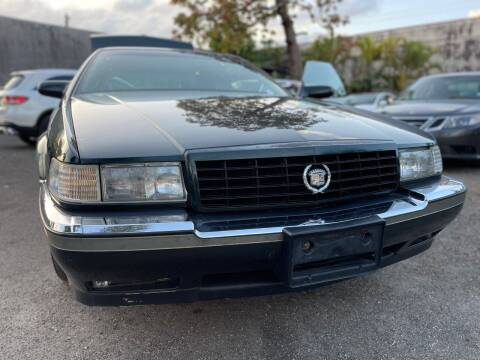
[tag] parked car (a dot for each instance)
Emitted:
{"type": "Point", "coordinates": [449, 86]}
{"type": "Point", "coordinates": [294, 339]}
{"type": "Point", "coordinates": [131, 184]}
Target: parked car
{"type": "Point", "coordinates": [292, 86]}
{"type": "Point", "coordinates": [176, 175]}
{"type": "Point", "coordinates": [324, 77]}
{"type": "Point", "coordinates": [372, 101]}
{"type": "Point", "coordinates": [23, 110]}
{"type": "Point", "coordinates": [448, 107]}
{"type": "Point", "coordinates": [323, 74]}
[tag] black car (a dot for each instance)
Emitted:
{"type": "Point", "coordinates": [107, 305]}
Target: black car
{"type": "Point", "coordinates": [176, 175]}
{"type": "Point", "coordinates": [448, 107]}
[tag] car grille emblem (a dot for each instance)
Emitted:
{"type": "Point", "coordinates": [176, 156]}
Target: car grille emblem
{"type": "Point", "coordinates": [317, 178]}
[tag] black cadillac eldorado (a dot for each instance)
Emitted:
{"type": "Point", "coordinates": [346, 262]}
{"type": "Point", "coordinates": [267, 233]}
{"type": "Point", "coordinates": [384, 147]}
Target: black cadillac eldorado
{"type": "Point", "coordinates": [177, 175]}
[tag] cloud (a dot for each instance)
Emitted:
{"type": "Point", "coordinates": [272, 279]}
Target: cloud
{"type": "Point", "coordinates": [353, 8]}
{"type": "Point", "coordinates": [149, 17]}
{"type": "Point", "coordinates": [108, 16]}
{"type": "Point", "coordinates": [474, 13]}
{"type": "Point", "coordinates": [132, 5]}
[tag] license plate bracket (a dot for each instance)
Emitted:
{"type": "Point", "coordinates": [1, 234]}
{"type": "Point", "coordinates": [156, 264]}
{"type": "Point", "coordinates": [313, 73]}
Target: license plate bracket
{"type": "Point", "coordinates": [325, 253]}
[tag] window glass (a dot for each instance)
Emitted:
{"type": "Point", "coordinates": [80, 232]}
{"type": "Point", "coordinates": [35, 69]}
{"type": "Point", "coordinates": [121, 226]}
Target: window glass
{"type": "Point", "coordinates": [62, 77]}
{"type": "Point", "coordinates": [13, 82]}
{"type": "Point", "coordinates": [146, 70]}
{"type": "Point", "coordinates": [444, 87]}
{"type": "Point", "coordinates": [319, 73]}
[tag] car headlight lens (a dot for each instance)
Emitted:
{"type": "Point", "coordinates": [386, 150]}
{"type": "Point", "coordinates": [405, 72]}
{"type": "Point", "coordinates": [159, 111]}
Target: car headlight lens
{"type": "Point", "coordinates": [74, 183]}
{"type": "Point", "coordinates": [142, 182]}
{"type": "Point", "coordinates": [462, 121]}
{"type": "Point", "coordinates": [420, 163]}
{"type": "Point", "coordinates": [156, 182]}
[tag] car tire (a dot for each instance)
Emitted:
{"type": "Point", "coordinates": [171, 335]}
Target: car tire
{"type": "Point", "coordinates": [43, 124]}
{"type": "Point", "coordinates": [60, 273]}
{"type": "Point", "coordinates": [27, 139]}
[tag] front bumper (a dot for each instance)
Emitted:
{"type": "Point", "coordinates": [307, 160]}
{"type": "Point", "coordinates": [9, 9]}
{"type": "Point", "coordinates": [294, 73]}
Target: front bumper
{"type": "Point", "coordinates": [461, 143]}
{"type": "Point", "coordinates": [170, 256]}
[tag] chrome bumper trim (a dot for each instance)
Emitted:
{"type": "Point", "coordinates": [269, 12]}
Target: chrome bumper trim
{"type": "Point", "coordinates": [126, 232]}
{"type": "Point", "coordinates": [60, 222]}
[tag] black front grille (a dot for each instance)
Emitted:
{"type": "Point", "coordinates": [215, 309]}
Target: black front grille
{"type": "Point", "coordinates": [417, 122]}
{"type": "Point", "coordinates": [278, 181]}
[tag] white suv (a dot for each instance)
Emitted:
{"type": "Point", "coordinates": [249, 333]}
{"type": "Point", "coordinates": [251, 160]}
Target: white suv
{"type": "Point", "coordinates": [23, 110]}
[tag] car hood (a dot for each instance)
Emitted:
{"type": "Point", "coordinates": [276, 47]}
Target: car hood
{"type": "Point", "coordinates": [431, 108]}
{"type": "Point", "coordinates": [148, 126]}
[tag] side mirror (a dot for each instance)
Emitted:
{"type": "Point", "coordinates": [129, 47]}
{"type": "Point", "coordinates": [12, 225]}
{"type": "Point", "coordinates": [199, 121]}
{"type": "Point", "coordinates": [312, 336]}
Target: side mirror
{"type": "Point", "coordinates": [317, 92]}
{"type": "Point", "coordinates": [390, 99]}
{"type": "Point", "coordinates": [53, 88]}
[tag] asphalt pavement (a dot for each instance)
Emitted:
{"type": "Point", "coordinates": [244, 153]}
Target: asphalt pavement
{"type": "Point", "coordinates": [427, 307]}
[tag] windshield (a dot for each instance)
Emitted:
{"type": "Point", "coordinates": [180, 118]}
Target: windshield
{"type": "Point", "coordinates": [444, 87]}
{"type": "Point", "coordinates": [153, 70]}
{"type": "Point", "coordinates": [362, 99]}
{"type": "Point", "coordinates": [13, 82]}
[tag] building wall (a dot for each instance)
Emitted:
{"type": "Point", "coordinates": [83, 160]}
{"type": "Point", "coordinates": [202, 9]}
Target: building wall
{"type": "Point", "coordinates": [457, 42]}
{"type": "Point", "coordinates": [28, 45]}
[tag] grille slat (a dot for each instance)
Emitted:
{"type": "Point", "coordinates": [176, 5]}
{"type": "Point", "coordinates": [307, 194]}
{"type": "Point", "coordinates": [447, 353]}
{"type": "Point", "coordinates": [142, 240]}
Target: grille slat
{"type": "Point", "coordinates": [288, 183]}
{"type": "Point", "coordinates": [207, 168]}
{"type": "Point", "coordinates": [414, 121]}
{"type": "Point", "coordinates": [267, 182]}
{"type": "Point", "coordinates": [221, 177]}
{"type": "Point", "coordinates": [292, 193]}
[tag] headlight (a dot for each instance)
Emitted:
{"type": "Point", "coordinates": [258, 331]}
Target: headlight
{"type": "Point", "coordinates": [74, 183]}
{"type": "Point", "coordinates": [142, 182]}
{"type": "Point", "coordinates": [155, 182]}
{"type": "Point", "coordinates": [462, 121]}
{"type": "Point", "coordinates": [420, 163]}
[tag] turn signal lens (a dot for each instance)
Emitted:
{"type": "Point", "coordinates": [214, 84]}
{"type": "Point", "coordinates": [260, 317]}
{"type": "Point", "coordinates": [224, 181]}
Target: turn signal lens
{"type": "Point", "coordinates": [74, 183]}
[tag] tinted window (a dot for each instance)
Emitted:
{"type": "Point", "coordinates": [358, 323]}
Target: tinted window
{"type": "Point", "coordinates": [444, 87]}
{"type": "Point", "coordinates": [144, 70]}
{"type": "Point", "coordinates": [62, 77]}
{"type": "Point", "coordinates": [13, 82]}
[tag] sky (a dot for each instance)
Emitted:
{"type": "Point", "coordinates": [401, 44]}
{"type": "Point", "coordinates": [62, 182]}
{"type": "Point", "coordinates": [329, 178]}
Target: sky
{"type": "Point", "coordinates": [155, 17]}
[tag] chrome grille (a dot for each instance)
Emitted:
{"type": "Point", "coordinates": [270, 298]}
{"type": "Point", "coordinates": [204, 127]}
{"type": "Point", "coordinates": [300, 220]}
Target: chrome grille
{"type": "Point", "coordinates": [277, 181]}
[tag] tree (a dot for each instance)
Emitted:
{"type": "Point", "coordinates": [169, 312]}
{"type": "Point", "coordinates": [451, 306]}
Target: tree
{"type": "Point", "coordinates": [205, 20]}
{"type": "Point", "coordinates": [269, 57]}
{"type": "Point", "coordinates": [219, 26]}
{"type": "Point", "coordinates": [404, 60]}
{"type": "Point", "coordinates": [335, 50]}
{"type": "Point", "coordinates": [370, 52]}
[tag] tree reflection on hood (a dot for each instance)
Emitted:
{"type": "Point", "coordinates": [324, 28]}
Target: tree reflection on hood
{"type": "Point", "coordinates": [250, 114]}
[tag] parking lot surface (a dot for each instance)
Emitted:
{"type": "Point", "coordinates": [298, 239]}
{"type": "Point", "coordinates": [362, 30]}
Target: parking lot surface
{"type": "Point", "coordinates": [427, 307]}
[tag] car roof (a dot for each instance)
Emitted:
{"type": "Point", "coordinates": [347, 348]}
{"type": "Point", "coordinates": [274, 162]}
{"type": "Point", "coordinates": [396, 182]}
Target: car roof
{"type": "Point", "coordinates": [461, 73]}
{"type": "Point", "coordinates": [43, 71]}
{"type": "Point", "coordinates": [161, 50]}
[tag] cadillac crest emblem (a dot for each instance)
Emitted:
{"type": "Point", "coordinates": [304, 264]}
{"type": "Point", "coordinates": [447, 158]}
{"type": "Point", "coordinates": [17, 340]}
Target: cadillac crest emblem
{"type": "Point", "coordinates": [317, 178]}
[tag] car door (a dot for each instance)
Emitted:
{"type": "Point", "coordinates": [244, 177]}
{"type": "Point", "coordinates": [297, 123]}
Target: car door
{"type": "Point", "coordinates": [46, 101]}
{"type": "Point", "coordinates": [320, 73]}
